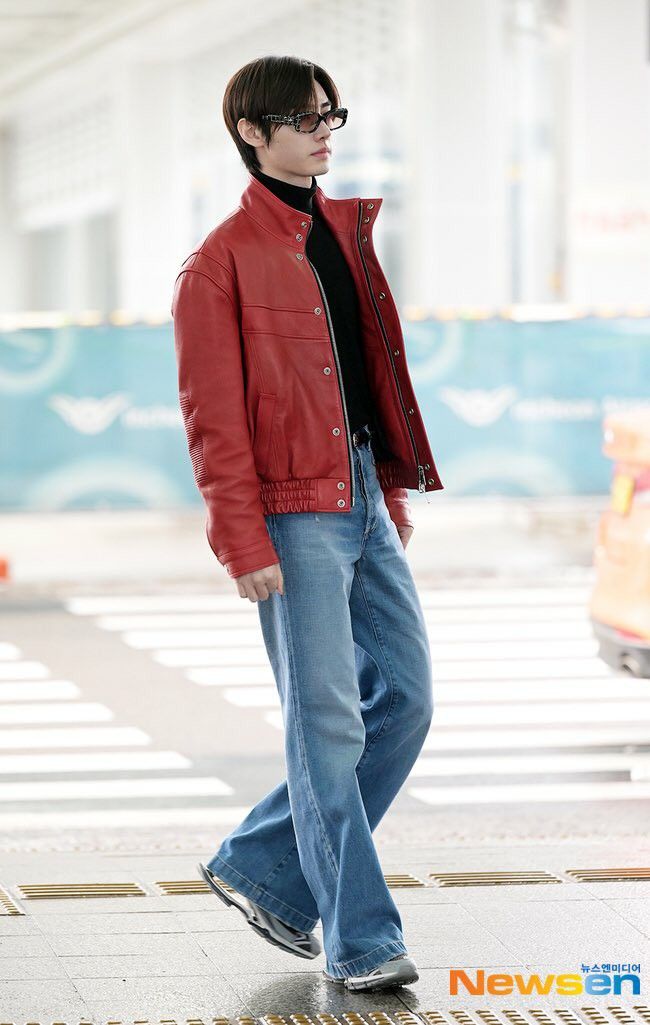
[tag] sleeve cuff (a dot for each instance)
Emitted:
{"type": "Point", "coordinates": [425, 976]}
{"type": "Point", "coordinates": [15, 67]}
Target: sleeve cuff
{"type": "Point", "coordinates": [249, 559]}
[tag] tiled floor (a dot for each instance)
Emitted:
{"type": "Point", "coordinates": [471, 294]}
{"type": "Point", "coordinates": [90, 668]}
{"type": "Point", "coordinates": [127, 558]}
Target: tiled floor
{"type": "Point", "coordinates": [179, 957]}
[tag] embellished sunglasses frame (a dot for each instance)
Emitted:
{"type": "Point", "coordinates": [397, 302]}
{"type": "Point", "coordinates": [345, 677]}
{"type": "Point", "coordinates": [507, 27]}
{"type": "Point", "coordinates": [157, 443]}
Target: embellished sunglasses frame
{"type": "Point", "coordinates": [294, 119]}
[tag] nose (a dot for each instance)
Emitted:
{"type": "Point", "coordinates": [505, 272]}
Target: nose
{"type": "Point", "coordinates": [322, 133]}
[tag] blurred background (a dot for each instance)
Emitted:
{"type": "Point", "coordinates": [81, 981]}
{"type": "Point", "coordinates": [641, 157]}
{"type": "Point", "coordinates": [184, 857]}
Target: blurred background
{"type": "Point", "coordinates": [510, 142]}
{"type": "Point", "coordinates": [508, 139]}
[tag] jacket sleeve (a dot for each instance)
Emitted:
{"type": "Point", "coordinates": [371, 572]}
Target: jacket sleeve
{"type": "Point", "coordinates": [398, 505]}
{"type": "Point", "coordinates": [211, 389]}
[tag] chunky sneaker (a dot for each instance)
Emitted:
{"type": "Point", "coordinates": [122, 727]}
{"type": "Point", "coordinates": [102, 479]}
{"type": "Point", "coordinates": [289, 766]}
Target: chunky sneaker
{"type": "Point", "coordinates": [272, 929]}
{"type": "Point", "coordinates": [398, 971]}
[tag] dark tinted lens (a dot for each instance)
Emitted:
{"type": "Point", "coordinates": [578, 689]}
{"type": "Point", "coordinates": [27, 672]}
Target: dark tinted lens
{"type": "Point", "coordinates": [308, 122]}
{"type": "Point", "coordinates": [335, 119]}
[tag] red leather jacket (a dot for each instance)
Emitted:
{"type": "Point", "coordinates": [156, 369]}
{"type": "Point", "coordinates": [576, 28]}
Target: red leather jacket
{"type": "Point", "coordinates": [259, 377]}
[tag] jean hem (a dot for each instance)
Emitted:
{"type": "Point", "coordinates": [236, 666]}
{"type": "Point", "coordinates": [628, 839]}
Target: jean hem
{"type": "Point", "coordinates": [359, 965]}
{"type": "Point", "coordinates": [285, 912]}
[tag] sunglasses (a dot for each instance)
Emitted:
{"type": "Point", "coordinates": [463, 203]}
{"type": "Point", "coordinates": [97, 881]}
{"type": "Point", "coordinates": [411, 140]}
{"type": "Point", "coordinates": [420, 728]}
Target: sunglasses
{"type": "Point", "coordinates": [309, 120]}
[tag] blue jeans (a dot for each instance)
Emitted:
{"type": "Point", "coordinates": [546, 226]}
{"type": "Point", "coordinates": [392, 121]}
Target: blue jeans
{"type": "Point", "coordinates": [349, 650]}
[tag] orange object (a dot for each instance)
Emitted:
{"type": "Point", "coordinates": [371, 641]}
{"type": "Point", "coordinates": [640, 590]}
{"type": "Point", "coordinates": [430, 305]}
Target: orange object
{"type": "Point", "coordinates": [620, 603]}
{"type": "Point", "coordinates": [4, 568]}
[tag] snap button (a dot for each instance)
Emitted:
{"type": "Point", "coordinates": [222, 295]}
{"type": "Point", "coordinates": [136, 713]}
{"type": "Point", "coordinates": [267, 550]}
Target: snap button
{"type": "Point", "coordinates": [426, 466]}
{"type": "Point", "coordinates": [336, 430]}
{"type": "Point", "coordinates": [299, 237]}
{"type": "Point", "coordinates": [327, 370]}
{"type": "Point", "coordinates": [317, 309]}
{"type": "Point", "coordinates": [341, 501]}
{"type": "Point", "coordinates": [370, 206]}
{"type": "Point", "coordinates": [395, 352]}
{"type": "Point", "coordinates": [341, 484]}
{"type": "Point", "coordinates": [366, 219]}
{"type": "Point", "coordinates": [298, 256]}
{"type": "Point", "coordinates": [430, 479]}
{"type": "Point", "coordinates": [364, 238]}
{"type": "Point", "coordinates": [382, 295]}
{"type": "Point", "coordinates": [303, 224]}
{"type": "Point", "coordinates": [411, 410]}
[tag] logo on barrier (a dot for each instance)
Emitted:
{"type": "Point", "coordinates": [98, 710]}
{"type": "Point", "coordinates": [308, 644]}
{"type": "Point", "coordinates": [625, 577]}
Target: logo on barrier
{"type": "Point", "coordinates": [478, 406]}
{"type": "Point", "coordinates": [89, 415]}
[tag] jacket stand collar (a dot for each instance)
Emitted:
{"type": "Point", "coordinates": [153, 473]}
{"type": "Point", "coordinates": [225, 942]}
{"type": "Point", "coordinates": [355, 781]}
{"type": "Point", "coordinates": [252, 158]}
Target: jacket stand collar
{"type": "Point", "coordinates": [291, 226]}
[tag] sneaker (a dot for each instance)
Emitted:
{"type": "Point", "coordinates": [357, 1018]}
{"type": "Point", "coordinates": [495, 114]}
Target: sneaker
{"type": "Point", "coordinates": [398, 971]}
{"type": "Point", "coordinates": [272, 929]}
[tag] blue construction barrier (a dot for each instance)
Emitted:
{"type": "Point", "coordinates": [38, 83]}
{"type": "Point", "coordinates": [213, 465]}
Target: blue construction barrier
{"type": "Point", "coordinates": [90, 415]}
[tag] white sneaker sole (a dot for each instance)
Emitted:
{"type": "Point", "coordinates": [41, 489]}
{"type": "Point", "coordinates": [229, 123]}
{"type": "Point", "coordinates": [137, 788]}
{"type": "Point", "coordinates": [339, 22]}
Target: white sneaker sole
{"type": "Point", "coordinates": [399, 972]}
{"type": "Point", "coordinates": [306, 945]}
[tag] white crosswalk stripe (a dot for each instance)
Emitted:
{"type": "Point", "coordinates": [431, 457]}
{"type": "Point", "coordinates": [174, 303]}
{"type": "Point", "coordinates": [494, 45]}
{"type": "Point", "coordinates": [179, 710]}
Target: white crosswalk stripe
{"type": "Point", "coordinates": [92, 761]}
{"type": "Point", "coordinates": [19, 669]}
{"type": "Point", "coordinates": [8, 651]}
{"type": "Point", "coordinates": [63, 711]}
{"type": "Point", "coordinates": [50, 690]}
{"type": "Point", "coordinates": [51, 737]}
{"type": "Point", "coordinates": [525, 793]}
{"type": "Point", "coordinates": [127, 818]}
{"type": "Point", "coordinates": [30, 696]}
{"type": "Point", "coordinates": [524, 710]}
{"type": "Point", "coordinates": [65, 790]}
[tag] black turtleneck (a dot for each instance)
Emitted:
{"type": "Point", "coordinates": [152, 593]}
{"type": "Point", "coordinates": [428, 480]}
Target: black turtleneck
{"type": "Point", "coordinates": [338, 284]}
{"type": "Point", "coordinates": [298, 196]}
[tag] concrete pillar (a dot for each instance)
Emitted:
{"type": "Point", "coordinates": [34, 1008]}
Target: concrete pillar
{"type": "Point", "coordinates": [456, 154]}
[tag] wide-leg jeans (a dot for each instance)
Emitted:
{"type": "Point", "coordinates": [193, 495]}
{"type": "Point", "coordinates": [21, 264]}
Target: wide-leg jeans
{"type": "Point", "coordinates": [349, 650]}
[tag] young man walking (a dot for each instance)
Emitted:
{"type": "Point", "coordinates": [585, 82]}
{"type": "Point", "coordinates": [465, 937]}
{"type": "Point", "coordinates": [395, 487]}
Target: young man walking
{"type": "Point", "coordinates": [305, 434]}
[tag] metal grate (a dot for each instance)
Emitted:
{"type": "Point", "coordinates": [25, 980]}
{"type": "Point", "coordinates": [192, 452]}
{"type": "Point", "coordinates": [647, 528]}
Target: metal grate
{"type": "Point", "coordinates": [490, 1017]}
{"type": "Point", "coordinates": [596, 1017]}
{"type": "Point", "coordinates": [609, 1015]}
{"type": "Point", "coordinates": [192, 1021]}
{"type": "Point", "coordinates": [183, 887]}
{"type": "Point", "coordinates": [7, 906]}
{"type": "Point", "coordinates": [463, 1017]}
{"type": "Point", "coordinates": [399, 879]}
{"type": "Point", "coordinates": [66, 891]}
{"type": "Point", "coordinates": [403, 1017]}
{"type": "Point", "coordinates": [509, 878]}
{"type": "Point", "coordinates": [623, 1016]}
{"type": "Point", "coordinates": [395, 880]}
{"type": "Point", "coordinates": [608, 875]}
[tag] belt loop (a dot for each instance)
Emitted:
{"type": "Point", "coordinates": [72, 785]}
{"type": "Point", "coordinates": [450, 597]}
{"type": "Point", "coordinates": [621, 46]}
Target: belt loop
{"type": "Point", "coordinates": [362, 435]}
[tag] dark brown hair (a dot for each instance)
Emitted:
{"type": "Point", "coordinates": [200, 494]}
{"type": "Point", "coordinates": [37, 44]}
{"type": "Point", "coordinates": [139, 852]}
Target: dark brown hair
{"type": "Point", "coordinates": [271, 85]}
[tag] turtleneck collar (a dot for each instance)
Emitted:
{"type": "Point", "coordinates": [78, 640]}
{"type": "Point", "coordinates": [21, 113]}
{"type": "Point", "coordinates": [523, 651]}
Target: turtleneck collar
{"type": "Point", "coordinates": [298, 196]}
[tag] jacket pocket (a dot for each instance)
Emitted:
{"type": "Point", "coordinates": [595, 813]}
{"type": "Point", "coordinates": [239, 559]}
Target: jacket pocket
{"type": "Point", "coordinates": [263, 429]}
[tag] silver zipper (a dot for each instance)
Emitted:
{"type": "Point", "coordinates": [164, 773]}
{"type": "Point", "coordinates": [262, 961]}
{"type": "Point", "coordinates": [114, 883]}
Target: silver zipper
{"type": "Point", "coordinates": [421, 476]}
{"type": "Point", "coordinates": [338, 368]}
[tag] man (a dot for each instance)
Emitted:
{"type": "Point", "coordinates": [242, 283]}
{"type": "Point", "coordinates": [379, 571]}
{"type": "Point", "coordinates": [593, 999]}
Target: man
{"type": "Point", "coordinates": [304, 434]}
